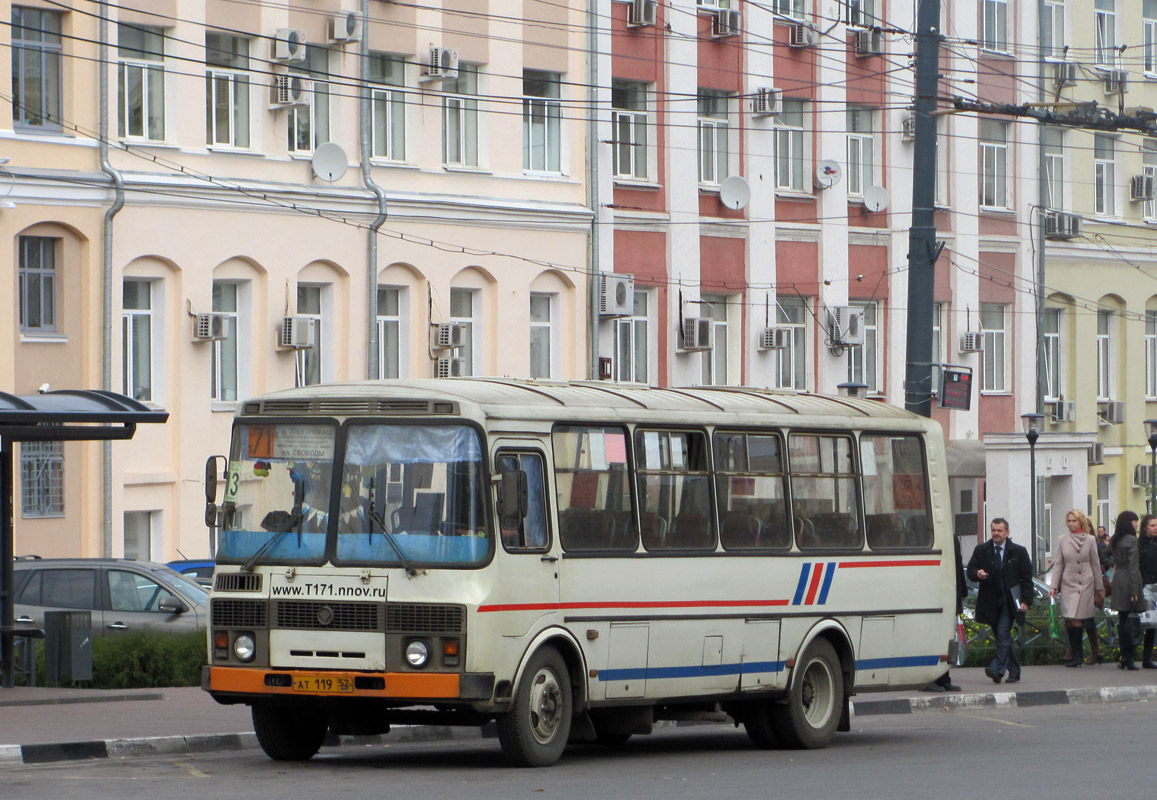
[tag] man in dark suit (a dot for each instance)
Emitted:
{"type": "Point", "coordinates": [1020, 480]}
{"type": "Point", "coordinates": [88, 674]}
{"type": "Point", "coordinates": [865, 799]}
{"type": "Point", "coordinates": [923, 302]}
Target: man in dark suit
{"type": "Point", "coordinates": [1004, 571]}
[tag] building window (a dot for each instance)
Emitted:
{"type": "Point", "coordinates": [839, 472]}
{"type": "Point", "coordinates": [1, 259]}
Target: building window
{"type": "Point", "coordinates": [791, 313]}
{"type": "Point", "coordinates": [861, 13]}
{"type": "Point", "coordinates": [1106, 493]}
{"type": "Point", "coordinates": [937, 345]}
{"type": "Point", "coordinates": [1149, 157]}
{"type": "Point", "coordinates": [137, 339]}
{"type": "Point", "coordinates": [42, 479]}
{"type": "Point", "coordinates": [309, 360]}
{"type": "Point", "coordinates": [1151, 355]}
{"type": "Point", "coordinates": [1150, 35]}
{"type": "Point", "coordinates": [861, 151]}
{"type": "Point", "coordinates": [631, 341]}
{"type": "Point", "coordinates": [714, 361]}
{"type": "Point", "coordinates": [139, 541]}
{"type": "Point", "coordinates": [226, 90]}
{"type": "Point", "coordinates": [630, 153]}
{"type": "Point", "coordinates": [541, 121]}
{"type": "Point", "coordinates": [1105, 356]}
{"type": "Point", "coordinates": [1105, 32]}
{"type": "Point", "coordinates": [460, 118]}
{"type": "Point", "coordinates": [943, 151]}
{"type": "Point", "coordinates": [994, 25]}
{"type": "Point", "coordinates": [36, 66]}
{"type": "Point", "coordinates": [993, 164]}
{"type": "Point", "coordinates": [789, 143]}
{"type": "Point", "coordinates": [307, 126]}
{"type": "Point", "coordinates": [225, 351]}
{"type": "Point", "coordinates": [1055, 167]}
{"type": "Point", "coordinates": [388, 106]}
{"type": "Point", "coordinates": [713, 136]}
{"type": "Point", "coordinates": [462, 310]}
{"type": "Point", "coordinates": [390, 330]}
{"type": "Point", "coordinates": [994, 357]}
{"type": "Point", "coordinates": [38, 283]}
{"type": "Point", "coordinates": [141, 82]}
{"type": "Point", "coordinates": [1052, 355]}
{"type": "Point", "coordinates": [542, 336]}
{"type": "Point", "coordinates": [796, 9]}
{"type": "Point", "coordinates": [1104, 175]}
{"type": "Point", "coordinates": [1053, 22]}
{"type": "Point", "coordinates": [862, 361]}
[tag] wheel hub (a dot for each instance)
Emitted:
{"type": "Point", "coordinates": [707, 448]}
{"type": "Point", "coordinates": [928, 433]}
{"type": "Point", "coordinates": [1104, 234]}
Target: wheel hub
{"type": "Point", "coordinates": [546, 705]}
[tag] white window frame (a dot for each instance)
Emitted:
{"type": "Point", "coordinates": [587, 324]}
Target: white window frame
{"type": "Point", "coordinates": [146, 71]}
{"type": "Point", "coordinates": [229, 348]}
{"type": "Point", "coordinates": [994, 165]}
{"type": "Point", "coordinates": [388, 108]}
{"type": "Point", "coordinates": [714, 139]}
{"type": "Point", "coordinates": [792, 369]}
{"type": "Point", "coordinates": [1053, 355]}
{"type": "Point", "coordinates": [1054, 150]}
{"type": "Point", "coordinates": [943, 162]}
{"type": "Point", "coordinates": [38, 282]}
{"type": "Point", "coordinates": [861, 150]}
{"type": "Point", "coordinates": [791, 174]}
{"type": "Point", "coordinates": [994, 359]}
{"type": "Point", "coordinates": [308, 127]}
{"type": "Point", "coordinates": [132, 320]}
{"type": "Point", "coordinates": [470, 325]}
{"type": "Point", "coordinates": [937, 344]}
{"type": "Point", "coordinates": [1106, 495]}
{"type": "Point", "coordinates": [542, 122]}
{"type": "Point", "coordinates": [864, 361]}
{"type": "Point", "coordinates": [1053, 46]}
{"type": "Point", "coordinates": [860, 13]}
{"type": "Point", "coordinates": [1106, 356]}
{"type": "Point", "coordinates": [539, 327]}
{"type": "Point", "coordinates": [320, 349]}
{"type": "Point", "coordinates": [1149, 36]}
{"type": "Point", "coordinates": [397, 345]}
{"type": "Point", "coordinates": [1104, 175]}
{"type": "Point", "coordinates": [994, 26]}
{"type": "Point", "coordinates": [46, 53]}
{"type": "Point", "coordinates": [631, 151]}
{"type": "Point", "coordinates": [238, 85]}
{"type": "Point", "coordinates": [1105, 33]}
{"type": "Point", "coordinates": [792, 9]}
{"type": "Point", "coordinates": [1149, 160]}
{"type": "Point", "coordinates": [632, 337]}
{"type": "Point", "coordinates": [1151, 354]}
{"type": "Point", "coordinates": [715, 366]}
{"type": "Point", "coordinates": [41, 479]}
{"type": "Point", "coordinates": [460, 118]}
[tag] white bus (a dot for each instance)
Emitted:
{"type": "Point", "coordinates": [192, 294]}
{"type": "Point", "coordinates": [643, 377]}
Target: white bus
{"type": "Point", "coordinates": [574, 561]}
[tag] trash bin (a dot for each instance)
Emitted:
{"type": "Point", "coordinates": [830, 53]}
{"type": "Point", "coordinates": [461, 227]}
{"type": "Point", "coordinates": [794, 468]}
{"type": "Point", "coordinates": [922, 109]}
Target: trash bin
{"type": "Point", "coordinates": [68, 646]}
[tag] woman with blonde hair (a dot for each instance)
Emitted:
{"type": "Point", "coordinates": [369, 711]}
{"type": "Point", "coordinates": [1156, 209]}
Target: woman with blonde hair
{"type": "Point", "coordinates": [1076, 577]}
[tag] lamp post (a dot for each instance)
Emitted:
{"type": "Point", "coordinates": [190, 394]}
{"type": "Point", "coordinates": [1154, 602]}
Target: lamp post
{"type": "Point", "coordinates": [1032, 424]}
{"type": "Point", "coordinates": [1151, 500]}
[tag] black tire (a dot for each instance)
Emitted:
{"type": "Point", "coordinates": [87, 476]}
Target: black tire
{"type": "Point", "coordinates": [289, 734]}
{"type": "Point", "coordinates": [535, 730]}
{"type": "Point", "coordinates": [811, 713]}
{"type": "Point", "coordinates": [759, 726]}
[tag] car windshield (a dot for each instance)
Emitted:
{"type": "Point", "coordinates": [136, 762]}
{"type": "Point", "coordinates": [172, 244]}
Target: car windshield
{"type": "Point", "coordinates": [184, 585]}
{"type": "Point", "coordinates": [277, 493]}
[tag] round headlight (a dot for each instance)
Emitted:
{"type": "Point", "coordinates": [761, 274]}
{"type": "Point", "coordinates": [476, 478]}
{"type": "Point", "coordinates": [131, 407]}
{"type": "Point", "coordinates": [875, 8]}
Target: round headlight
{"type": "Point", "coordinates": [417, 653]}
{"type": "Point", "coordinates": [244, 647]}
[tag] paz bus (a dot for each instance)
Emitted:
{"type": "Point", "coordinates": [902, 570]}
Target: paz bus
{"type": "Point", "coordinates": [573, 561]}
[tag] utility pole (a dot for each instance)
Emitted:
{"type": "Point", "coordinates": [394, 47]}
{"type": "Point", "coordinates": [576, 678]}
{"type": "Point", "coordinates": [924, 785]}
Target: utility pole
{"type": "Point", "coordinates": [922, 250]}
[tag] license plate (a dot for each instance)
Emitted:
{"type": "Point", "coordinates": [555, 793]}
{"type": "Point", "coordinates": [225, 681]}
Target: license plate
{"type": "Point", "coordinates": [323, 683]}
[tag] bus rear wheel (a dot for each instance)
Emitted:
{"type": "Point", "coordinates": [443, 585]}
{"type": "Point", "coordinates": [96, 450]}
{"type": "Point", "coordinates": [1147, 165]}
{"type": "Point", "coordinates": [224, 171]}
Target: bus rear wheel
{"type": "Point", "coordinates": [809, 717]}
{"type": "Point", "coordinates": [289, 734]}
{"type": "Point", "coordinates": [535, 730]}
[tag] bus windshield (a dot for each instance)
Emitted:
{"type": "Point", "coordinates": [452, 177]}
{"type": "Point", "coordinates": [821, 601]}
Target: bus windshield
{"type": "Point", "coordinates": [277, 493]}
{"type": "Point", "coordinates": [412, 493]}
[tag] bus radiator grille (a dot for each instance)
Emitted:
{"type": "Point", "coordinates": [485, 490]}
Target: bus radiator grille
{"type": "Point", "coordinates": [328, 616]}
{"type": "Point", "coordinates": [237, 582]}
{"type": "Point", "coordinates": [239, 613]}
{"type": "Point", "coordinates": [421, 618]}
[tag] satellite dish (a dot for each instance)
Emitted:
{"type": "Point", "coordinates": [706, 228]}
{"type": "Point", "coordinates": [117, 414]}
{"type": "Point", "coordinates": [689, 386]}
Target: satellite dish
{"type": "Point", "coordinates": [735, 192]}
{"type": "Point", "coordinates": [876, 198]}
{"type": "Point", "coordinates": [828, 174]}
{"type": "Point", "coordinates": [330, 162]}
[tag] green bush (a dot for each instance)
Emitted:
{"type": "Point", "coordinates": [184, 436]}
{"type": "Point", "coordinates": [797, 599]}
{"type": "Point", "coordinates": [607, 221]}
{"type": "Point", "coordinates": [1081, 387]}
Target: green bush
{"type": "Point", "coordinates": [140, 661]}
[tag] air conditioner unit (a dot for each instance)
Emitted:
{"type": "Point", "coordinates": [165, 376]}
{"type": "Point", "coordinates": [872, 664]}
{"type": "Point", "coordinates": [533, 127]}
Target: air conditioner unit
{"type": "Point", "coordinates": [642, 12]}
{"type": "Point", "coordinates": [289, 45]}
{"type": "Point", "coordinates": [449, 367]}
{"type": "Point", "coordinates": [1142, 476]}
{"type": "Point", "coordinates": [1096, 453]}
{"type": "Point", "coordinates": [1111, 412]}
{"type": "Point", "coordinates": [446, 335]}
{"type": "Point", "coordinates": [298, 333]}
{"type": "Point", "coordinates": [971, 342]}
{"type": "Point", "coordinates": [210, 327]}
{"type": "Point", "coordinates": [802, 34]}
{"type": "Point", "coordinates": [908, 128]}
{"type": "Point", "coordinates": [1065, 74]}
{"type": "Point", "coordinates": [774, 338]}
{"type": "Point", "coordinates": [442, 63]}
{"type": "Point", "coordinates": [725, 23]}
{"type": "Point", "coordinates": [290, 90]}
{"type": "Point", "coordinates": [1059, 225]}
{"type": "Point", "coordinates": [1116, 81]}
{"type": "Point", "coordinates": [345, 27]}
{"type": "Point", "coordinates": [766, 102]}
{"type": "Point", "coordinates": [1061, 411]}
{"type": "Point", "coordinates": [698, 333]}
{"type": "Point", "coordinates": [869, 43]}
{"type": "Point", "coordinates": [1141, 188]}
{"type": "Point", "coordinates": [616, 295]}
{"type": "Point", "coordinates": [847, 325]}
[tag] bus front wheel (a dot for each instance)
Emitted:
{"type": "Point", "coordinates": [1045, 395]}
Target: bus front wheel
{"type": "Point", "coordinates": [809, 716]}
{"type": "Point", "coordinates": [535, 730]}
{"type": "Point", "coordinates": [289, 734]}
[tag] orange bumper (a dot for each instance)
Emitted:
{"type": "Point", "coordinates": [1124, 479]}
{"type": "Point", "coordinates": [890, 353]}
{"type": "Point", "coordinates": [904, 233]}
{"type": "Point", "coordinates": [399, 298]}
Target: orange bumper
{"type": "Point", "coordinates": [398, 685]}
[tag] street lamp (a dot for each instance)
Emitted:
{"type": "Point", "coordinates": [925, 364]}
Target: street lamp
{"type": "Point", "coordinates": [1033, 424]}
{"type": "Point", "coordinates": [1151, 429]}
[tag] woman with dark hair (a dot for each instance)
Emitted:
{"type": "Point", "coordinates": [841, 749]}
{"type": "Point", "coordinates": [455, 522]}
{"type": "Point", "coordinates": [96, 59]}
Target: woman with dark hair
{"type": "Point", "coordinates": [1148, 558]}
{"type": "Point", "coordinates": [1126, 584]}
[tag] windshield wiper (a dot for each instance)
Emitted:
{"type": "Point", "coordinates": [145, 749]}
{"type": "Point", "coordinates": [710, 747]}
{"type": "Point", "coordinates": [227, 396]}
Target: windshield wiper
{"type": "Point", "coordinates": [291, 520]}
{"type": "Point", "coordinates": [375, 517]}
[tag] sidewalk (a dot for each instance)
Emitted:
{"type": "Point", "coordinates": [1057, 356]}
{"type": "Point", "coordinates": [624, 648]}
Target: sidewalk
{"type": "Point", "coordinates": [46, 724]}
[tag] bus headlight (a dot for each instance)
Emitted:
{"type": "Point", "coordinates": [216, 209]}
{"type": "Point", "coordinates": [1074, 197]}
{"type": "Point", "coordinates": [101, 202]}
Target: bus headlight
{"type": "Point", "coordinates": [417, 653]}
{"type": "Point", "coordinates": [244, 647]}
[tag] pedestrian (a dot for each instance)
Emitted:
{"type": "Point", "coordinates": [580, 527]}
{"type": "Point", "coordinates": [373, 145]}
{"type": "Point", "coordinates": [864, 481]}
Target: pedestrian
{"type": "Point", "coordinates": [1076, 577]}
{"type": "Point", "coordinates": [1004, 571]}
{"type": "Point", "coordinates": [1148, 565]}
{"type": "Point", "coordinates": [1126, 585]}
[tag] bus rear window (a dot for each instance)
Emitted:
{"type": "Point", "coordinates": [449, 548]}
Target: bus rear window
{"type": "Point", "coordinates": [594, 491]}
{"type": "Point", "coordinates": [895, 491]}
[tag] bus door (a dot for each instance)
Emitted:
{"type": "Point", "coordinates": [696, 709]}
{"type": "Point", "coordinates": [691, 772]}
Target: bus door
{"type": "Point", "coordinates": [528, 586]}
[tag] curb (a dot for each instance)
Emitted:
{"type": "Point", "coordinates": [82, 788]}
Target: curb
{"type": "Point", "coordinates": [1022, 699]}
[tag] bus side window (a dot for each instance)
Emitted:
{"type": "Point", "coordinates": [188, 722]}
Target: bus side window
{"type": "Point", "coordinates": [750, 491]}
{"type": "Point", "coordinates": [824, 491]}
{"type": "Point", "coordinates": [531, 534]}
{"type": "Point", "coordinates": [895, 491]}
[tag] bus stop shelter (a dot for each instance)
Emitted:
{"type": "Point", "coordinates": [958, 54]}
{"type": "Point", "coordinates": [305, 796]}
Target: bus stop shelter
{"type": "Point", "coordinates": [66, 415]}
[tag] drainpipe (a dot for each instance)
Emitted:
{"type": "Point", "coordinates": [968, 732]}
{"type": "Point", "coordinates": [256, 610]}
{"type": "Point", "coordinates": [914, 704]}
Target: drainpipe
{"type": "Point", "coordinates": [379, 193]}
{"type": "Point", "coordinates": [594, 273]}
{"type": "Point", "coordinates": [106, 267]}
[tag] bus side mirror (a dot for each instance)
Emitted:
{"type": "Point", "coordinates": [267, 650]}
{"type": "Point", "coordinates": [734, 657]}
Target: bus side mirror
{"type": "Point", "coordinates": [211, 478]}
{"type": "Point", "coordinates": [512, 498]}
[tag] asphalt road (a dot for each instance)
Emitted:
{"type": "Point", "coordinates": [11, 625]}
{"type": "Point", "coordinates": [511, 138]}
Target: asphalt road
{"type": "Point", "coordinates": [1053, 752]}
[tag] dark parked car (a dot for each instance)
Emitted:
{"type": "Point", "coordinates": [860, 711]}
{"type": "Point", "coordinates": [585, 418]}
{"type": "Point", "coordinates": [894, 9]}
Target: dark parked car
{"type": "Point", "coordinates": [199, 570]}
{"type": "Point", "coordinates": [123, 596]}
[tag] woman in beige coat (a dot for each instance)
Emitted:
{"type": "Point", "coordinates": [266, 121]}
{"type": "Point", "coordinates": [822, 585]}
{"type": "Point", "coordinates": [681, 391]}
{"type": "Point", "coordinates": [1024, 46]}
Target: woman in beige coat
{"type": "Point", "coordinates": [1076, 577]}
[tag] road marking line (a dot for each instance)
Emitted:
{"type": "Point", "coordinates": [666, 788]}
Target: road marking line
{"type": "Point", "coordinates": [1003, 721]}
{"type": "Point", "coordinates": [189, 768]}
